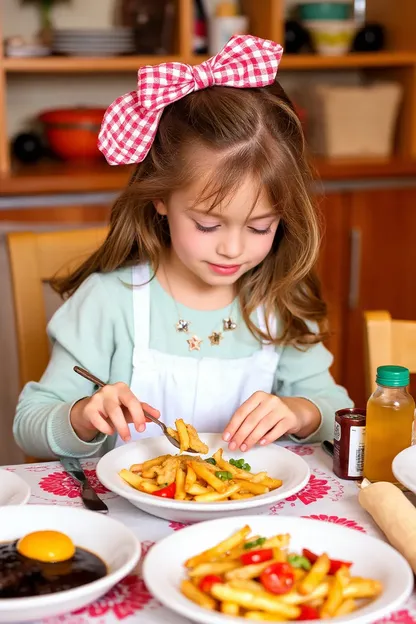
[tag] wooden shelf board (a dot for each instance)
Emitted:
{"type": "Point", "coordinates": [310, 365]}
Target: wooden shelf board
{"type": "Point", "coordinates": [66, 64]}
{"type": "Point", "coordinates": [54, 177]}
{"type": "Point", "coordinates": [79, 64]}
{"type": "Point", "coordinates": [376, 59]}
{"type": "Point", "coordinates": [361, 168]}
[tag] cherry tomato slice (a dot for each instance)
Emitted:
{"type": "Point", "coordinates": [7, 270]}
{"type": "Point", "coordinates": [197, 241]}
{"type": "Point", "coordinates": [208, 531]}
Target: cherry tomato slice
{"type": "Point", "coordinates": [166, 492]}
{"type": "Point", "coordinates": [278, 578]}
{"type": "Point", "coordinates": [256, 556]}
{"type": "Point", "coordinates": [308, 613]}
{"type": "Point", "coordinates": [208, 581]}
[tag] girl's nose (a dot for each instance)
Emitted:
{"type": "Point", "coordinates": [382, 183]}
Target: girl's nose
{"type": "Point", "coordinates": [231, 245]}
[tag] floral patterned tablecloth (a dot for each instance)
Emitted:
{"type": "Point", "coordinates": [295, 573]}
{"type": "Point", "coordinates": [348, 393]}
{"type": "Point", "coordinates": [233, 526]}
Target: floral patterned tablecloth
{"type": "Point", "coordinates": [325, 498]}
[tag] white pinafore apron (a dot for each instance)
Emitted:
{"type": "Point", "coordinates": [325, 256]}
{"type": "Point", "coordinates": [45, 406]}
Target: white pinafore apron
{"type": "Point", "coordinates": [204, 392]}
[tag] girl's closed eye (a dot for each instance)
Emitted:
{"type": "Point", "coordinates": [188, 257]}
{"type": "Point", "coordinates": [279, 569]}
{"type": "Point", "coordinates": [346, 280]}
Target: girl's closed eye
{"type": "Point", "coordinates": [259, 231]}
{"type": "Point", "coordinates": [204, 228]}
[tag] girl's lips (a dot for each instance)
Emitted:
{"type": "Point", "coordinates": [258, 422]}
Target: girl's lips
{"type": "Point", "coordinates": [224, 269]}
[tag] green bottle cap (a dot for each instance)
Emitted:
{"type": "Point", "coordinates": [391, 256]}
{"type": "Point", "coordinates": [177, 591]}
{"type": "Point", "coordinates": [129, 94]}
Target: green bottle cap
{"type": "Point", "coordinates": [393, 376]}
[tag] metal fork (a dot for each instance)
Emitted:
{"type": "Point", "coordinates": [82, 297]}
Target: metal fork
{"type": "Point", "coordinates": [98, 382]}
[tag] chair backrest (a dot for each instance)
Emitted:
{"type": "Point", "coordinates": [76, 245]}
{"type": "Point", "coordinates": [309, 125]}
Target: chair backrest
{"type": "Point", "coordinates": [34, 259]}
{"type": "Point", "coordinates": [387, 341]}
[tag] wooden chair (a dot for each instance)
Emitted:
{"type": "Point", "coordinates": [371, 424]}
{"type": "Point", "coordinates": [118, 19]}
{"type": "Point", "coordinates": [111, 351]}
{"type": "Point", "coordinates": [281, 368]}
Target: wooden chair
{"type": "Point", "coordinates": [34, 259]}
{"type": "Point", "coordinates": [387, 341]}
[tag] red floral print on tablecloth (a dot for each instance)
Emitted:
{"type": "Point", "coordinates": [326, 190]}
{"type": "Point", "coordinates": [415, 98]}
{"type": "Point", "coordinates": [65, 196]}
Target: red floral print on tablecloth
{"type": "Point", "coordinates": [61, 484]}
{"type": "Point", "coordinates": [321, 485]}
{"type": "Point", "coordinates": [125, 599]}
{"type": "Point", "coordinates": [336, 520]}
{"type": "Point", "coordinates": [301, 449]}
{"type": "Point", "coordinates": [177, 526]}
{"type": "Point", "coordinates": [146, 546]}
{"type": "Point", "coordinates": [400, 617]}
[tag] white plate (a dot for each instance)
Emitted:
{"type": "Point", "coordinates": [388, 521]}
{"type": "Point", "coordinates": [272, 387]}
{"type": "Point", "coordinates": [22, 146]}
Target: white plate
{"type": "Point", "coordinates": [109, 539]}
{"type": "Point", "coordinates": [372, 558]}
{"type": "Point", "coordinates": [277, 461]}
{"type": "Point", "coordinates": [13, 490]}
{"type": "Point", "coordinates": [404, 468]}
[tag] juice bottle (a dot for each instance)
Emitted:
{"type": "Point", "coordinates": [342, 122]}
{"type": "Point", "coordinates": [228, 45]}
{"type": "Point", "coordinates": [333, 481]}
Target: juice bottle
{"type": "Point", "coordinates": [389, 422]}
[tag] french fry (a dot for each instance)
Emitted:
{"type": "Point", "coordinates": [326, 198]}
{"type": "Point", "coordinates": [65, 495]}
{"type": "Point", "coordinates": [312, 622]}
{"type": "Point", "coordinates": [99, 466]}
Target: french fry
{"type": "Point", "coordinates": [319, 593]}
{"type": "Point", "coordinates": [180, 484]}
{"type": "Point", "coordinates": [251, 486]}
{"type": "Point", "coordinates": [315, 575]}
{"type": "Point", "coordinates": [344, 575]}
{"type": "Point", "coordinates": [156, 461]}
{"type": "Point", "coordinates": [333, 600]}
{"type": "Point", "coordinates": [362, 588]}
{"type": "Point", "coordinates": [216, 551]}
{"type": "Point", "coordinates": [277, 541]}
{"type": "Point", "coordinates": [348, 606]}
{"type": "Point", "coordinates": [247, 584]}
{"type": "Point", "coordinates": [173, 433]}
{"type": "Point", "coordinates": [299, 574]}
{"type": "Point", "coordinates": [216, 496]}
{"type": "Point", "coordinates": [239, 495]}
{"type": "Point", "coordinates": [272, 484]}
{"type": "Point", "coordinates": [236, 472]}
{"type": "Point", "coordinates": [260, 616]}
{"type": "Point", "coordinates": [147, 487]}
{"type": "Point", "coordinates": [183, 435]}
{"type": "Point", "coordinates": [197, 596]}
{"type": "Point", "coordinates": [215, 567]}
{"type": "Point", "coordinates": [249, 571]}
{"type": "Point", "coordinates": [210, 478]}
{"type": "Point", "coordinates": [196, 489]}
{"type": "Point", "coordinates": [131, 478]}
{"type": "Point", "coordinates": [230, 608]}
{"type": "Point", "coordinates": [254, 601]}
{"type": "Point", "coordinates": [190, 478]}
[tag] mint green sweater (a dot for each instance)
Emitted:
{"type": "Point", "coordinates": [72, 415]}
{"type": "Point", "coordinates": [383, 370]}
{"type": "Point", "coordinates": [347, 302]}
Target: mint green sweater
{"type": "Point", "coordinates": [94, 329]}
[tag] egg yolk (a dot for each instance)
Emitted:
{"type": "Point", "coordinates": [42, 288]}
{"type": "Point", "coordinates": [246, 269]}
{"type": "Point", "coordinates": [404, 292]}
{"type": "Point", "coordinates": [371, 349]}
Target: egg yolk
{"type": "Point", "coordinates": [46, 546]}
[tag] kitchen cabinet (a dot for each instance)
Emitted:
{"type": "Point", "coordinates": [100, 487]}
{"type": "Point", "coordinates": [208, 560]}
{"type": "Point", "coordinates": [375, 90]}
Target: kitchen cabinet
{"type": "Point", "coordinates": [382, 260]}
{"type": "Point", "coordinates": [366, 263]}
{"type": "Point", "coordinates": [333, 270]}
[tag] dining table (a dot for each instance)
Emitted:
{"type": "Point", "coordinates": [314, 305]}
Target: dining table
{"type": "Point", "coordinates": [325, 498]}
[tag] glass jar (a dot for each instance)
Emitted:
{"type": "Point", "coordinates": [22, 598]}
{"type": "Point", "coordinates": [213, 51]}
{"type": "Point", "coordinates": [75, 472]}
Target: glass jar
{"type": "Point", "coordinates": [389, 422]}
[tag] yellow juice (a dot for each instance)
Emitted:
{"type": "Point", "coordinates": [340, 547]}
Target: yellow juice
{"type": "Point", "coordinates": [389, 424]}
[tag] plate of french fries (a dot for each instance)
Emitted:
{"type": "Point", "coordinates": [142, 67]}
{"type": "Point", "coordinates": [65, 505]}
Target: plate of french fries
{"type": "Point", "coordinates": [276, 569]}
{"type": "Point", "coordinates": [184, 487]}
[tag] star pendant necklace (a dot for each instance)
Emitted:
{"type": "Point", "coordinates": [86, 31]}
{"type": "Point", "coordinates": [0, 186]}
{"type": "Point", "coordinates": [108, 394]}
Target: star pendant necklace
{"type": "Point", "coordinates": [183, 326]}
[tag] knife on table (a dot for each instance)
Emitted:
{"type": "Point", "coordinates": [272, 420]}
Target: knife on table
{"type": "Point", "coordinates": [89, 498]}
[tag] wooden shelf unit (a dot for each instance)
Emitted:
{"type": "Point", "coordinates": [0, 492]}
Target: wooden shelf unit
{"type": "Point", "coordinates": [397, 62]}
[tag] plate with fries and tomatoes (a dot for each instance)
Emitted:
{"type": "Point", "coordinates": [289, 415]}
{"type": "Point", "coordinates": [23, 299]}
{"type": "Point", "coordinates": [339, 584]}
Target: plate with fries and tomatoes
{"type": "Point", "coordinates": [276, 569]}
{"type": "Point", "coordinates": [205, 484]}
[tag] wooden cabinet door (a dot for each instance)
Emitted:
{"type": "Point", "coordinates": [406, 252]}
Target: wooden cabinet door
{"type": "Point", "coordinates": [382, 270]}
{"type": "Point", "coordinates": [333, 271]}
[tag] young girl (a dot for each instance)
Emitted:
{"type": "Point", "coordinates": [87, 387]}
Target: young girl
{"type": "Point", "coordinates": [202, 303]}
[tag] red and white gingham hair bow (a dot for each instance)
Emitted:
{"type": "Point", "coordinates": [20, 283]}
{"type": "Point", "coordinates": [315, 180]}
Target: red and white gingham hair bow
{"type": "Point", "coordinates": [130, 123]}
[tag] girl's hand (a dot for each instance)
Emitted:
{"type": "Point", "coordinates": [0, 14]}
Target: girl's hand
{"type": "Point", "coordinates": [264, 418]}
{"type": "Point", "coordinates": [110, 410]}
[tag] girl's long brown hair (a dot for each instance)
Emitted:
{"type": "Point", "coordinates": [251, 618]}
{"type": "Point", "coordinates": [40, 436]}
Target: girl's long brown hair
{"type": "Point", "coordinates": [253, 131]}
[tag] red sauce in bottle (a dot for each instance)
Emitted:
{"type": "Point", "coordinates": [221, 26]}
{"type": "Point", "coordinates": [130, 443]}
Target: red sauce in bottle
{"type": "Point", "coordinates": [349, 437]}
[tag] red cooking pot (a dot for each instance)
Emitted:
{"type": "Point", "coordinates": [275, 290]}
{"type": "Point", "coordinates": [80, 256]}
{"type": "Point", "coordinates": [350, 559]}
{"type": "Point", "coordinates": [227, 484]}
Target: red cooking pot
{"type": "Point", "coordinates": [72, 133]}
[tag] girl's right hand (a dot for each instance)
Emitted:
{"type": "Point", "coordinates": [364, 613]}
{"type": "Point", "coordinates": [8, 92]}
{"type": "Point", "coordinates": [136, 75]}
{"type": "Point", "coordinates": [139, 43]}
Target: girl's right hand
{"type": "Point", "coordinates": [110, 410]}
